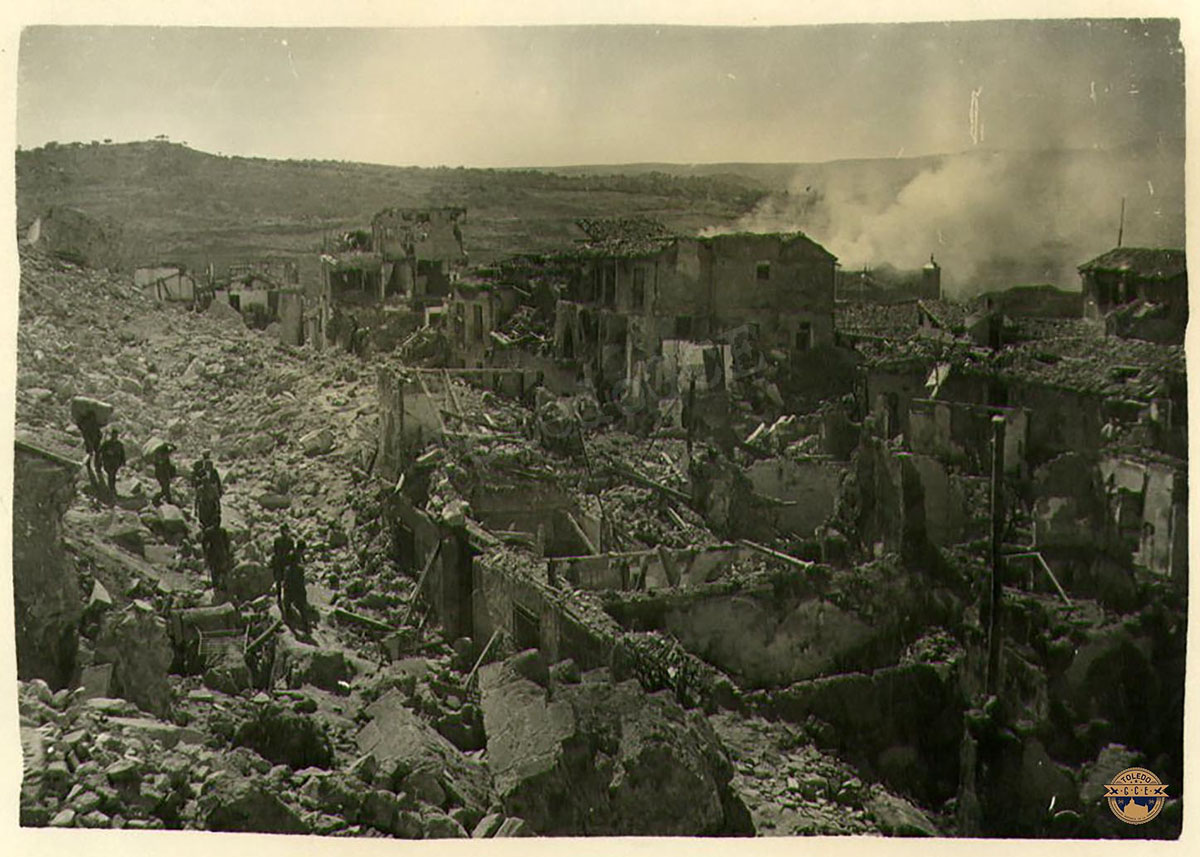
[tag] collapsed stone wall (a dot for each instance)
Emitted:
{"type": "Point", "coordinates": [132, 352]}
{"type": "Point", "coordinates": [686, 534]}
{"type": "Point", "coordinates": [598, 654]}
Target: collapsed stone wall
{"type": "Point", "coordinates": [901, 724]}
{"type": "Point", "coordinates": [782, 626]}
{"type": "Point", "coordinates": [46, 589]}
{"type": "Point", "coordinates": [882, 502]}
{"type": "Point", "coordinates": [571, 626]}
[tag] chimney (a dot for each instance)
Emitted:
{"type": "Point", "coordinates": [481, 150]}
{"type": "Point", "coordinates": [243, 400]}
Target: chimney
{"type": "Point", "coordinates": [931, 279]}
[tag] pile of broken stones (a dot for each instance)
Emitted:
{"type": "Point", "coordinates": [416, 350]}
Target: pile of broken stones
{"type": "Point", "coordinates": [350, 738]}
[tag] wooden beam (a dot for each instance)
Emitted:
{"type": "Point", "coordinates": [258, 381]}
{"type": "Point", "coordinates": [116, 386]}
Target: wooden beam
{"type": "Point", "coordinates": [263, 637]}
{"type": "Point", "coordinates": [779, 555]}
{"type": "Point", "coordinates": [437, 410]}
{"type": "Point", "coordinates": [358, 619]}
{"type": "Point", "coordinates": [675, 516]}
{"type": "Point", "coordinates": [453, 396]}
{"type": "Point", "coordinates": [421, 583]}
{"type": "Point", "coordinates": [1046, 567]}
{"type": "Point", "coordinates": [482, 655]}
{"type": "Point", "coordinates": [579, 531]}
{"type": "Point", "coordinates": [646, 481]}
{"type": "Point", "coordinates": [669, 566]}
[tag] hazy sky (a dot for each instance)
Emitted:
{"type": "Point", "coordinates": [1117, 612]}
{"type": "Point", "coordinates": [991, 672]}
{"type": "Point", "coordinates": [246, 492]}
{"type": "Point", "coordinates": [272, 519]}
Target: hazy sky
{"type": "Point", "coordinates": [575, 95]}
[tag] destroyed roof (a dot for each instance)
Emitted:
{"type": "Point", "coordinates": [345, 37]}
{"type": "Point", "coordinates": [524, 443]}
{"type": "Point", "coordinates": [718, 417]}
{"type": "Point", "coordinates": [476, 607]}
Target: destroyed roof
{"type": "Point", "coordinates": [1150, 263]}
{"type": "Point", "coordinates": [919, 353]}
{"type": "Point", "coordinates": [624, 236]}
{"type": "Point", "coordinates": [949, 315]}
{"type": "Point", "coordinates": [782, 237]}
{"type": "Point", "coordinates": [1109, 366]}
{"type": "Point", "coordinates": [901, 319]}
{"type": "Point", "coordinates": [895, 320]}
{"type": "Point", "coordinates": [622, 228]}
{"type": "Point", "coordinates": [1049, 328]}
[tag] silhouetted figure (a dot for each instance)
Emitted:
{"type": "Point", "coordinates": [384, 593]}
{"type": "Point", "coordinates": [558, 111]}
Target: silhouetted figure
{"type": "Point", "coordinates": [211, 474]}
{"type": "Point", "coordinates": [361, 342]}
{"type": "Point", "coordinates": [281, 555]}
{"type": "Point", "coordinates": [202, 470]}
{"type": "Point", "coordinates": [112, 457]}
{"type": "Point", "coordinates": [164, 472]}
{"type": "Point", "coordinates": [207, 484]}
{"type": "Point", "coordinates": [208, 505]}
{"type": "Point", "coordinates": [218, 555]}
{"type": "Point", "coordinates": [295, 589]}
{"type": "Point", "coordinates": [198, 471]}
{"type": "Point", "coordinates": [295, 592]}
{"type": "Point", "coordinates": [89, 427]}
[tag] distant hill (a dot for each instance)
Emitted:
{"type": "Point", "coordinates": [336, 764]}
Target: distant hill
{"type": "Point", "coordinates": [180, 204]}
{"type": "Point", "coordinates": [992, 219]}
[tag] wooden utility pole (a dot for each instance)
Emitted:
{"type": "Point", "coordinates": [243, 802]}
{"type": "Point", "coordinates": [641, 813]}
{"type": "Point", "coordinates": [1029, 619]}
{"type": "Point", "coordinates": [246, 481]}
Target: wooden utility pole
{"type": "Point", "coordinates": [996, 593]}
{"type": "Point", "coordinates": [1121, 227]}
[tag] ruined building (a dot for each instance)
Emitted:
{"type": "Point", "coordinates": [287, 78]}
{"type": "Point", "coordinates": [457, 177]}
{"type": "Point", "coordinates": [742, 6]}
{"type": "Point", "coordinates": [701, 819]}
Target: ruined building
{"type": "Point", "coordinates": [48, 601]}
{"type": "Point", "coordinates": [414, 254]}
{"type": "Point", "coordinates": [167, 282]}
{"type": "Point", "coordinates": [421, 251]}
{"type": "Point", "coordinates": [640, 286]}
{"type": "Point", "coordinates": [1139, 292]}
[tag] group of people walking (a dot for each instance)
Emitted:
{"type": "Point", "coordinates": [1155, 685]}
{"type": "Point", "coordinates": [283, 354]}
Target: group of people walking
{"type": "Point", "coordinates": [214, 540]}
{"type": "Point", "coordinates": [104, 455]}
{"type": "Point", "coordinates": [287, 555]}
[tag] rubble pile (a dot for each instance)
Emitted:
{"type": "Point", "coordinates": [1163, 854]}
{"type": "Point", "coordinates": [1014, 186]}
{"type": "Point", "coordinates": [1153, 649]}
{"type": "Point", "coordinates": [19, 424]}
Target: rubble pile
{"type": "Point", "coordinates": [527, 328]}
{"type": "Point", "coordinates": [103, 762]}
{"type": "Point", "coordinates": [791, 788]}
{"type": "Point", "coordinates": [542, 622]}
{"type": "Point", "coordinates": [635, 763]}
{"type": "Point", "coordinates": [291, 433]}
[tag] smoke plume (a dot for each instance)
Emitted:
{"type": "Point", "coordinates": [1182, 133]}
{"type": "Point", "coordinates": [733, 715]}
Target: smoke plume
{"type": "Point", "coordinates": [993, 220]}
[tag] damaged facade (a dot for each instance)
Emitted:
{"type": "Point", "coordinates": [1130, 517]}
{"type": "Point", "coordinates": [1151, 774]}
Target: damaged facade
{"type": "Point", "coordinates": [414, 254]}
{"type": "Point", "coordinates": [639, 287]}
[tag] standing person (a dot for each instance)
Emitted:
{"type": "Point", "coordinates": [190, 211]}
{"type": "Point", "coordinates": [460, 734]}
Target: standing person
{"type": "Point", "coordinates": [203, 469]}
{"type": "Point", "coordinates": [218, 554]}
{"type": "Point", "coordinates": [334, 328]}
{"type": "Point", "coordinates": [112, 457]}
{"type": "Point", "coordinates": [207, 485]}
{"type": "Point", "coordinates": [208, 504]}
{"type": "Point", "coordinates": [281, 556]}
{"type": "Point", "coordinates": [89, 427]}
{"type": "Point", "coordinates": [362, 342]}
{"type": "Point", "coordinates": [198, 471]}
{"type": "Point", "coordinates": [210, 473]}
{"type": "Point", "coordinates": [164, 472]}
{"type": "Point", "coordinates": [295, 592]}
